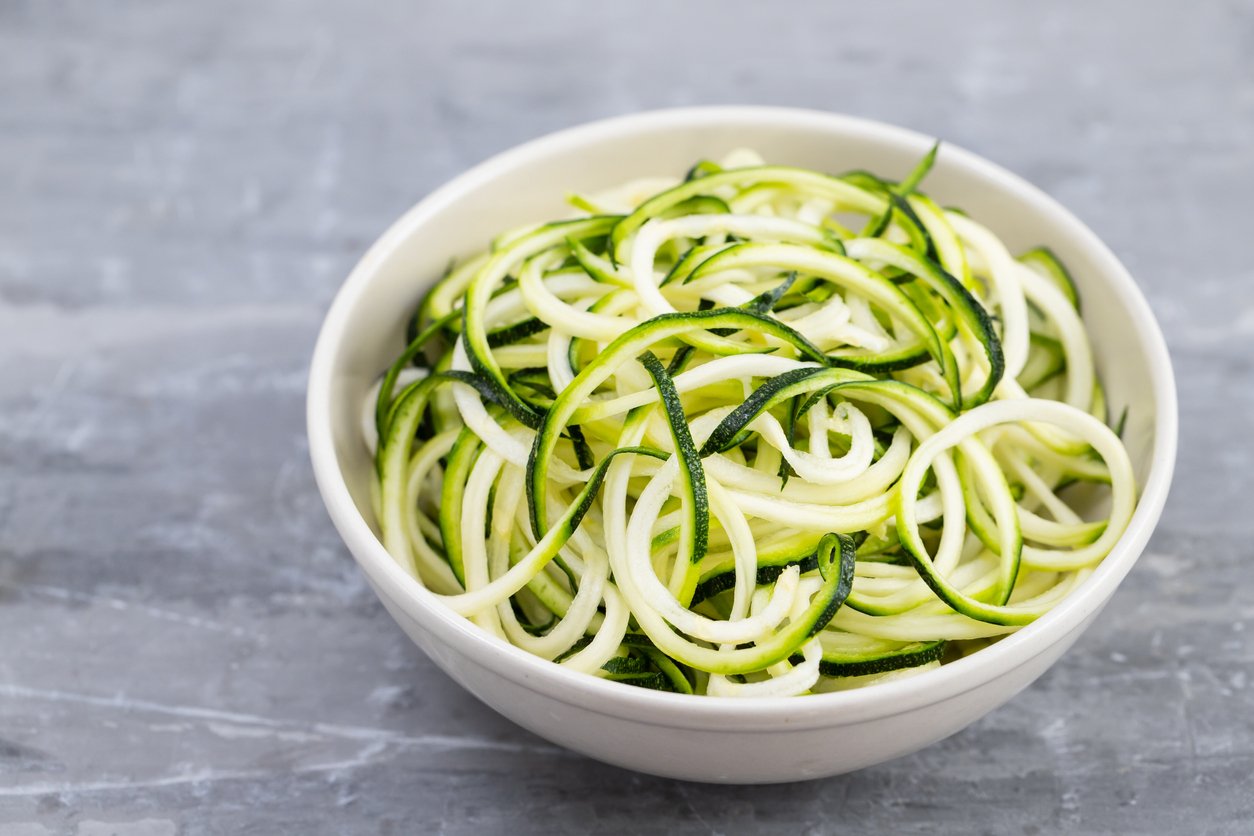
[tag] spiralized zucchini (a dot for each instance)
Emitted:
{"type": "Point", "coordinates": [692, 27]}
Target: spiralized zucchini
{"type": "Point", "coordinates": [759, 432]}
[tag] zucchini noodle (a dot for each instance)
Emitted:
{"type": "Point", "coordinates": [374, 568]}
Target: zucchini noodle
{"type": "Point", "coordinates": [759, 431]}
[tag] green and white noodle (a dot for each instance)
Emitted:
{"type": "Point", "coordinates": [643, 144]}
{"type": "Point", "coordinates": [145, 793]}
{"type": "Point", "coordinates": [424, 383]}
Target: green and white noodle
{"type": "Point", "coordinates": [761, 431]}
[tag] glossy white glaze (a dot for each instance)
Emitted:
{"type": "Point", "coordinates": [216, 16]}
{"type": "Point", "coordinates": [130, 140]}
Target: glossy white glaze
{"type": "Point", "coordinates": [713, 739]}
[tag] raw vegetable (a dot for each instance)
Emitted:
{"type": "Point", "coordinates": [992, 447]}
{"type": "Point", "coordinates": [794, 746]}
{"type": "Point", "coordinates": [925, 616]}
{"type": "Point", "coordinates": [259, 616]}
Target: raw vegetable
{"type": "Point", "coordinates": [763, 431]}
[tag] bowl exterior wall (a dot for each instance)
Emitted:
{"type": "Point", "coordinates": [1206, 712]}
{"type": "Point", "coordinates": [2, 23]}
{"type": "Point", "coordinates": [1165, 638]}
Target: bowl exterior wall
{"type": "Point", "coordinates": [699, 739]}
{"type": "Point", "coordinates": [729, 755]}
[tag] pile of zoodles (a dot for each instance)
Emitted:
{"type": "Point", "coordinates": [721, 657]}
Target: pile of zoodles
{"type": "Point", "coordinates": [760, 432]}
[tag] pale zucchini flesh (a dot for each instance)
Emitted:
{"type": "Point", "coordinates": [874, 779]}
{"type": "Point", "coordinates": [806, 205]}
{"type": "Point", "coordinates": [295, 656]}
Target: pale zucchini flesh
{"type": "Point", "coordinates": [758, 431]}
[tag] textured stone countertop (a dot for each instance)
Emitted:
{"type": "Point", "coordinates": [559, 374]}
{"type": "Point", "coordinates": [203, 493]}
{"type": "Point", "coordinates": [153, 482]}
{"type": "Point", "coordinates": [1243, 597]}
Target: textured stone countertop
{"type": "Point", "coordinates": [185, 644]}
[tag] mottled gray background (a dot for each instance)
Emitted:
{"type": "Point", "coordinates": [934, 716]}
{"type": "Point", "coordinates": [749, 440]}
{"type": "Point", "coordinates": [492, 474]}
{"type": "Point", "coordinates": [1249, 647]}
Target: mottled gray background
{"type": "Point", "coordinates": [186, 647]}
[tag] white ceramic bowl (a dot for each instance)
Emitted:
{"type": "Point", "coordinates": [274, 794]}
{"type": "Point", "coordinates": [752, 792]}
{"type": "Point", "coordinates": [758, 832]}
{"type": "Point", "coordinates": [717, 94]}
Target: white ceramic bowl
{"type": "Point", "coordinates": [707, 738]}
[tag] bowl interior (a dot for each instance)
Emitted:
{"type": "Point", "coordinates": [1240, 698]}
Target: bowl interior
{"type": "Point", "coordinates": [530, 183]}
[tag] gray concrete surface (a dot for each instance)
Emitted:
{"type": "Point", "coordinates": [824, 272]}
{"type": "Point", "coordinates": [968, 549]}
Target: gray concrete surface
{"type": "Point", "coordinates": [185, 646]}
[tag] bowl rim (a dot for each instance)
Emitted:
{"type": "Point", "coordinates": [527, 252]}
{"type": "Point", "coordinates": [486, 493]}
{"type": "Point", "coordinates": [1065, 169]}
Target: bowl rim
{"type": "Point", "coordinates": [615, 699]}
